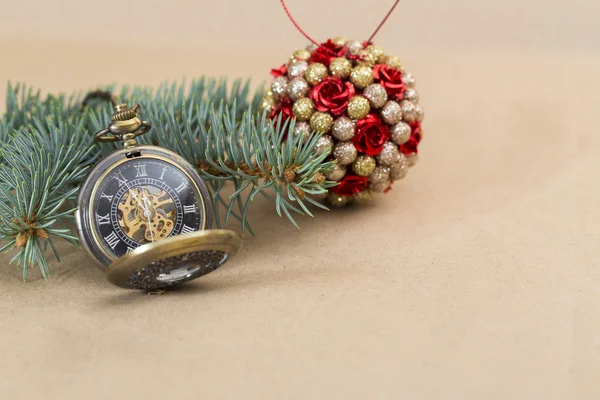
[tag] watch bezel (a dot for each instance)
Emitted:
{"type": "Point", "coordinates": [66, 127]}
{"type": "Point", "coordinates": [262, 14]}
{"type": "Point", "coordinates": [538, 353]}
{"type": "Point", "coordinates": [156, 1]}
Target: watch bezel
{"type": "Point", "coordinates": [84, 218]}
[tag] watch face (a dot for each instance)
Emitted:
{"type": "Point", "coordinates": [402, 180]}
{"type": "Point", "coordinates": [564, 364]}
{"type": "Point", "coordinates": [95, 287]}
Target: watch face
{"type": "Point", "coordinates": [143, 200]}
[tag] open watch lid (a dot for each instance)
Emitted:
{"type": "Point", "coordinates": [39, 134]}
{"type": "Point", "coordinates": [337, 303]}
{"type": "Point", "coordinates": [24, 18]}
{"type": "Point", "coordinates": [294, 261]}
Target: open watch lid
{"type": "Point", "coordinates": [174, 260]}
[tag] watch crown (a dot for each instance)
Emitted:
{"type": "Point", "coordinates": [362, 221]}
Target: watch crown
{"type": "Point", "coordinates": [122, 112]}
{"type": "Point", "coordinates": [125, 126]}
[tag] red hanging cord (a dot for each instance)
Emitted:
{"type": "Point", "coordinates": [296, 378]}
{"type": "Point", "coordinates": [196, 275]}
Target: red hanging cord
{"type": "Point", "coordinates": [296, 24]}
{"type": "Point", "coordinates": [384, 20]}
{"type": "Point", "coordinates": [315, 42]}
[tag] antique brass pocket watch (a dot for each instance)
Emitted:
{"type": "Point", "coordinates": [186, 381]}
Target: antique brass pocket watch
{"type": "Point", "coordinates": [144, 213]}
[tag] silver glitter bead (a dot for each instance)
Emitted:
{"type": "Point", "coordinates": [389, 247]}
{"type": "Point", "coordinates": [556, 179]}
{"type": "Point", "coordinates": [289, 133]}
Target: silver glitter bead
{"type": "Point", "coordinates": [279, 86]}
{"type": "Point", "coordinates": [420, 113]}
{"type": "Point", "coordinates": [411, 94]}
{"type": "Point", "coordinates": [336, 200]}
{"type": "Point", "coordinates": [389, 154]}
{"type": "Point", "coordinates": [323, 143]}
{"type": "Point", "coordinates": [297, 88]}
{"type": "Point", "coordinates": [379, 175]}
{"type": "Point", "coordinates": [336, 174]}
{"type": "Point", "coordinates": [376, 95]}
{"type": "Point", "coordinates": [391, 112]}
{"type": "Point", "coordinates": [409, 111]}
{"type": "Point", "coordinates": [399, 169]}
{"type": "Point", "coordinates": [344, 152]}
{"type": "Point", "coordinates": [343, 129]}
{"type": "Point", "coordinates": [302, 129]}
{"type": "Point", "coordinates": [412, 159]}
{"type": "Point", "coordinates": [354, 46]}
{"type": "Point", "coordinates": [379, 187]}
{"type": "Point", "coordinates": [400, 133]}
{"type": "Point", "coordinates": [408, 79]}
{"type": "Point", "coordinates": [312, 47]}
{"type": "Point", "coordinates": [297, 68]}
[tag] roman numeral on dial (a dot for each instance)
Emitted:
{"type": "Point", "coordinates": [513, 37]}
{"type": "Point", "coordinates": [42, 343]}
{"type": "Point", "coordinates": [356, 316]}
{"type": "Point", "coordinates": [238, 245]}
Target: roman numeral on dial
{"type": "Point", "coordinates": [112, 240]}
{"type": "Point", "coordinates": [179, 188]}
{"type": "Point", "coordinates": [129, 249]}
{"type": "Point", "coordinates": [103, 219]}
{"type": "Point", "coordinates": [140, 170]}
{"type": "Point", "coordinates": [105, 196]}
{"type": "Point", "coordinates": [162, 174]}
{"type": "Point", "coordinates": [189, 209]}
{"type": "Point", "coordinates": [187, 229]}
{"type": "Point", "coordinates": [122, 180]}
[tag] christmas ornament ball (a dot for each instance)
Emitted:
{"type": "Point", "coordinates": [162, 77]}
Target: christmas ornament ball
{"type": "Point", "coordinates": [363, 102]}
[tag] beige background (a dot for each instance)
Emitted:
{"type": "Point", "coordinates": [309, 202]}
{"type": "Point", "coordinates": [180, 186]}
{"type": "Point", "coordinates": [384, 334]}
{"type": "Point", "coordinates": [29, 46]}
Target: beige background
{"type": "Point", "coordinates": [476, 278]}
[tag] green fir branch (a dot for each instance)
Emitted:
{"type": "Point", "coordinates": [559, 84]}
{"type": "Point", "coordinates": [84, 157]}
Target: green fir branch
{"type": "Point", "coordinates": [47, 148]}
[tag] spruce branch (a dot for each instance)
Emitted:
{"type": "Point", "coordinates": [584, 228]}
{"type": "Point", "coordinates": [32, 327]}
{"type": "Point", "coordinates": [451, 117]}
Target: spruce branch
{"type": "Point", "coordinates": [47, 149]}
{"type": "Point", "coordinates": [39, 175]}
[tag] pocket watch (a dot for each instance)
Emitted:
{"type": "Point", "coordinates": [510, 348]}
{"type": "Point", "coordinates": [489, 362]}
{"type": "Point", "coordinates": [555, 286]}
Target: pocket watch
{"type": "Point", "coordinates": [144, 213]}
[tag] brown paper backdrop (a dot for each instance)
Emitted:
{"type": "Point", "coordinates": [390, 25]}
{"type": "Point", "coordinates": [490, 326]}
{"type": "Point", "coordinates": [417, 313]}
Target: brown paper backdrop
{"type": "Point", "coordinates": [475, 278]}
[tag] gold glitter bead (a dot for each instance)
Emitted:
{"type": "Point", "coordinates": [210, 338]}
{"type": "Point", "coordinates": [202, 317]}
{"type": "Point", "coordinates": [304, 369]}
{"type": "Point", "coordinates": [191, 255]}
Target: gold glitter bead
{"type": "Point", "coordinates": [340, 67]}
{"type": "Point", "coordinates": [358, 107]}
{"type": "Point", "coordinates": [366, 58]}
{"type": "Point", "coordinates": [400, 133]}
{"type": "Point", "coordinates": [345, 153]}
{"type": "Point", "coordinates": [267, 104]}
{"type": "Point", "coordinates": [270, 94]}
{"type": "Point", "coordinates": [303, 109]}
{"type": "Point", "coordinates": [409, 110]}
{"type": "Point", "coordinates": [315, 73]}
{"type": "Point", "coordinates": [324, 143]}
{"type": "Point", "coordinates": [301, 54]}
{"type": "Point", "coordinates": [394, 62]}
{"type": "Point", "coordinates": [279, 86]}
{"type": "Point", "coordinates": [362, 197]}
{"type": "Point", "coordinates": [321, 122]}
{"type": "Point", "coordinates": [343, 129]}
{"type": "Point", "coordinates": [321, 197]}
{"type": "Point", "coordinates": [389, 154]}
{"type": "Point", "coordinates": [376, 95]}
{"type": "Point", "coordinates": [399, 169]}
{"type": "Point", "coordinates": [377, 52]}
{"type": "Point", "coordinates": [354, 46]}
{"type": "Point", "coordinates": [391, 112]}
{"type": "Point", "coordinates": [364, 165]}
{"type": "Point", "coordinates": [336, 200]}
{"type": "Point", "coordinates": [336, 174]}
{"type": "Point", "coordinates": [340, 40]}
{"type": "Point", "coordinates": [361, 76]}
{"type": "Point", "coordinates": [297, 88]}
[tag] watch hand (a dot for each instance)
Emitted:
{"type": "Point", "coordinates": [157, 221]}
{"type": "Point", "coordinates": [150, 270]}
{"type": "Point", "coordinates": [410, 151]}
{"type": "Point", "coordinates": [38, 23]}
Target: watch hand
{"type": "Point", "coordinates": [147, 214]}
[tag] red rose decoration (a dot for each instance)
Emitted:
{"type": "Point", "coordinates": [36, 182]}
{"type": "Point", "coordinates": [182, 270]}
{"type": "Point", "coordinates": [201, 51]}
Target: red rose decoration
{"type": "Point", "coordinates": [281, 71]}
{"type": "Point", "coordinates": [391, 79]}
{"type": "Point", "coordinates": [332, 95]}
{"type": "Point", "coordinates": [284, 108]}
{"type": "Point", "coordinates": [371, 134]}
{"type": "Point", "coordinates": [328, 51]}
{"type": "Point", "coordinates": [410, 147]}
{"type": "Point", "coordinates": [351, 185]}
